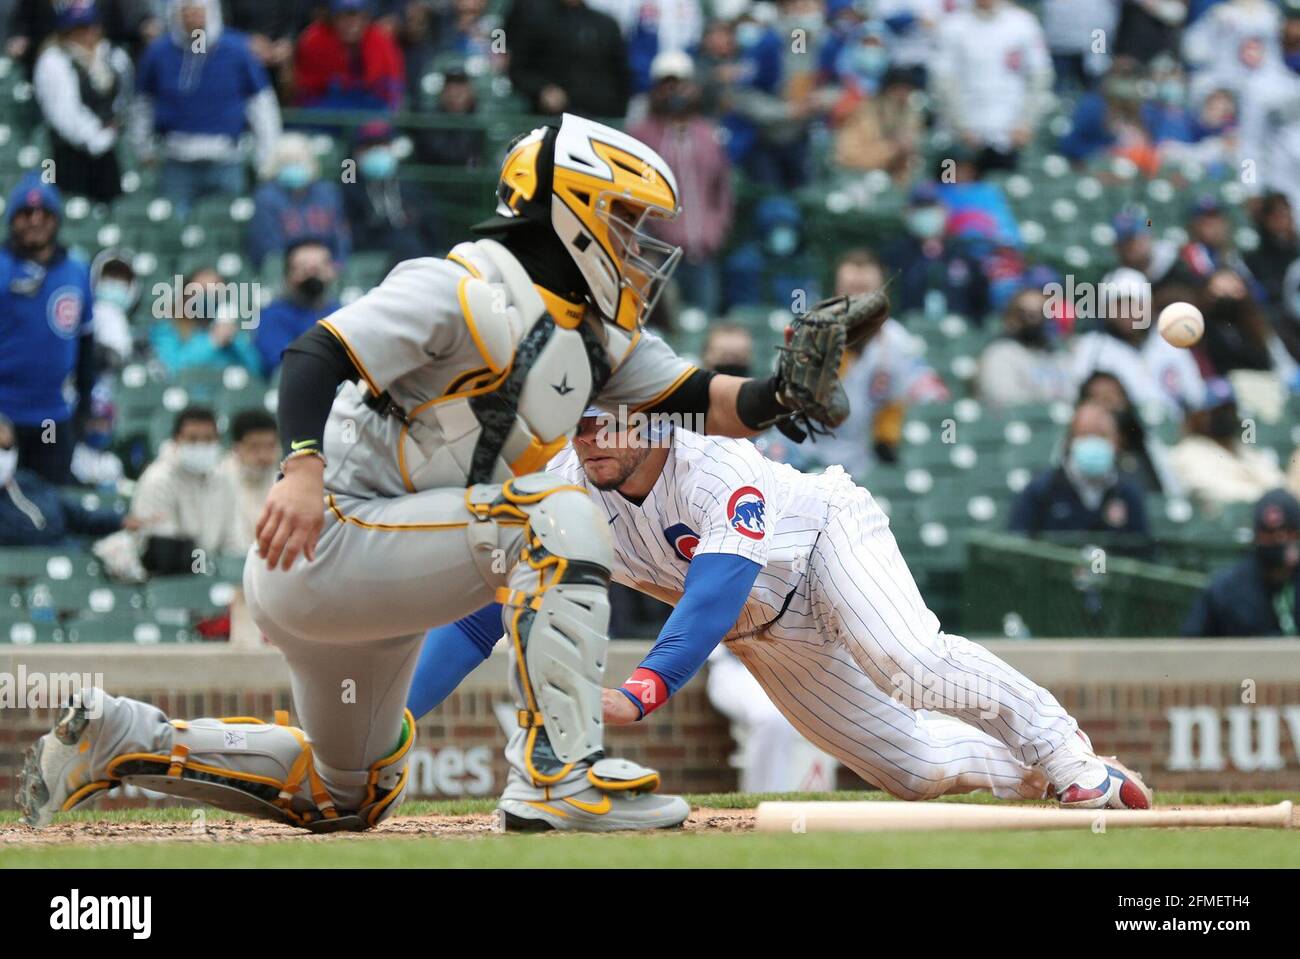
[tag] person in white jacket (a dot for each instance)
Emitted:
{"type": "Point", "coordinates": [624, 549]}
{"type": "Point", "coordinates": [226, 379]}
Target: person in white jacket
{"type": "Point", "coordinates": [83, 87]}
{"type": "Point", "coordinates": [992, 77]}
{"type": "Point", "coordinates": [1270, 118]}
{"type": "Point", "coordinates": [183, 495]}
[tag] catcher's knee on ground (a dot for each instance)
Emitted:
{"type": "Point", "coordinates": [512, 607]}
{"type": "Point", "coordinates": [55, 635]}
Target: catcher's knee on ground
{"type": "Point", "coordinates": [239, 764]}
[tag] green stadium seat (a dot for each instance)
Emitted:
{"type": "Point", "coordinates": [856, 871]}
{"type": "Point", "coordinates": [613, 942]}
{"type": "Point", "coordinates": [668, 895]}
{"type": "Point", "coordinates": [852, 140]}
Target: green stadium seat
{"type": "Point", "coordinates": [124, 629]}
{"type": "Point", "coordinates": [184, 599]}
{"type": "Point", "coordinates": [84, 596]}
{"type": "Point", "coordinates": [23, 565]}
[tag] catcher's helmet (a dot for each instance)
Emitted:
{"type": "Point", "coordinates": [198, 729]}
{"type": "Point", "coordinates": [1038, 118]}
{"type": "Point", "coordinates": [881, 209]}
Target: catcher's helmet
{"type": "Point", "coordinates": [596, 187]}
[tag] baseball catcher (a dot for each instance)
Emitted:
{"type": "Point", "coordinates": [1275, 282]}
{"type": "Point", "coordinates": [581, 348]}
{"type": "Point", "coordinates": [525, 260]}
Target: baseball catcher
{"type": "Point", "coordinates": [415, 421]}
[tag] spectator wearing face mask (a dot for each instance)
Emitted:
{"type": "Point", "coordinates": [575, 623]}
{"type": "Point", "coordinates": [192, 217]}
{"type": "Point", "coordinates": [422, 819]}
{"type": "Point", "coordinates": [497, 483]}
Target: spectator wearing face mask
{"type": "Point", "coordinates": [1085, 493]}
{"type": "Point", "coordinates": [383, 212]}
{"type": "Point", "coordinates": [1142, 457]}
{"type": "Point", "coordinates": [294, 203]}
{"type": "Point", "coordinates": [740, 70]}
{"type": "Point", "coordinates": [47, 330]}
{"type": "Point", "coordinates": [1259, 595]}
{"type": "Point", "coordinates": [933, 273]}
{"type": "Point", "coordinates": [776, 269]}
{"type": "Point", "coordinates": [251, 467]}
{"type": "Point", "coordinates": [182, 501]}
{"type": "Point", "coordinates": [34, 513]}
{"type": "Point", "coordinates": [203, 329]}
{"type": "Point", "coordinates": [1024, 364]}
{"type": "Point", "coordinates": [1237, 336]}
{"type": "Point", "coordinates": [1270, 126]}
{"type": "Point", "coordinates": [691, 145]}
{"type": "Point", "coordinates": [200, 87]}
{"type": "Point", "coordinates": [309, 277]}
{"type": "Point", "coordinates": [93, 463]}
{"type": "Point", "coordinates": [1212, 462]}
{"type": "Point", "coordinates": [346, 61]}
{"type": "Point", "coordinates": [116, 292]}
{"type": "Point", "coordinates": [83, 86]}
{"type": "Point", "coordinates": [991, 76]}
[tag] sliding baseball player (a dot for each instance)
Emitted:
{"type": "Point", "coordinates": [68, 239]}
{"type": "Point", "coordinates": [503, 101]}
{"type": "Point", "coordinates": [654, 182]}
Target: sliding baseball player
{"type": "Point", "coordinates": [801, 578]}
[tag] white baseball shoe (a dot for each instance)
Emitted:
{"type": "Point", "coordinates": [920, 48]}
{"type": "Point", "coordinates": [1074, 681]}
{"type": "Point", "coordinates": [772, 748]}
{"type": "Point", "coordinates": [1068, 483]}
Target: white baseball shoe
{"type": "Point", "coordinates": [1080, 779]}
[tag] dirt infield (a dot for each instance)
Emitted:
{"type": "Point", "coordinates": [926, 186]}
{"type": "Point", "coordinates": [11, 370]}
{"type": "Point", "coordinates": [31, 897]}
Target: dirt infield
{"type": "Point", "coordinates": [219, 828]}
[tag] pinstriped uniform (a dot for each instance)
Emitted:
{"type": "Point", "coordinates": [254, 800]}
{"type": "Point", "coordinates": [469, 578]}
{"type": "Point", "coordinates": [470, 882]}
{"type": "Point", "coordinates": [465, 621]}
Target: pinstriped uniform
{"type": "Point", "coordinates": [835, 629]}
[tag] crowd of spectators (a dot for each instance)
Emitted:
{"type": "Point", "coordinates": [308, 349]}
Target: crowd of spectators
{"type": "Point", "coordinates": [757, 106]}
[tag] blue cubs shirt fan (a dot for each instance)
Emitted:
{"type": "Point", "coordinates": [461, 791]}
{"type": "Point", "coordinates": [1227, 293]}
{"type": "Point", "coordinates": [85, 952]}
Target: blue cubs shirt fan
{"type": "Point", "coordinates": [45, 312]}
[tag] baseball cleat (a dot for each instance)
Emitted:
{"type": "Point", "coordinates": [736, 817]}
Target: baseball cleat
{"type": "Point", "coordinates": [1081, 780]}
{"type": "Point", "coordinates": [54, 767]}
{"type": "Point", "coordinates": [593, 811]}
{"type": "Point", "coordinates": [1133, 793]}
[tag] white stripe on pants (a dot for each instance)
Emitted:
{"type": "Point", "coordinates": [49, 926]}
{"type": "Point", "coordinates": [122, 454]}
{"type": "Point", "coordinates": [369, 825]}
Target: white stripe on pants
{"type": "Point", "coordinates": [909, 753]}
{"type": "Point", "coordinates": [865, 592]}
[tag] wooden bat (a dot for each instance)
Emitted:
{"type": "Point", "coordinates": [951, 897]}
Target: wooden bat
{"type": "Point", "coordinates": [800, 817]}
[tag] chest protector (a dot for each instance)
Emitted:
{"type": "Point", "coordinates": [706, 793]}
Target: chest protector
{"type": "Point", "coordinates": [513, 414]}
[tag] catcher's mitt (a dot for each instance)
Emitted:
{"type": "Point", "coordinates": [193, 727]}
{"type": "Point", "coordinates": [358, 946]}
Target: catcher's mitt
{"type": "Point", "coordinates": [808, 380]}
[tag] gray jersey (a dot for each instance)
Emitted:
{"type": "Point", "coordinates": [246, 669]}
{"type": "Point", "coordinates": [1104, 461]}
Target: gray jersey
{"type": "Point", "coordinates": [410, 338]}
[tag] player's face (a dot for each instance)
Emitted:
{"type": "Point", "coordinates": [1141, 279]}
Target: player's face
{"type": "Point", "coordinates": [609, 455]}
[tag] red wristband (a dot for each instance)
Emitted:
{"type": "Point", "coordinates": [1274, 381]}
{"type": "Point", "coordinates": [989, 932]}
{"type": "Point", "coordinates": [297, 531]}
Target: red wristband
{"type": "Point", "coordinates": [646, 688]}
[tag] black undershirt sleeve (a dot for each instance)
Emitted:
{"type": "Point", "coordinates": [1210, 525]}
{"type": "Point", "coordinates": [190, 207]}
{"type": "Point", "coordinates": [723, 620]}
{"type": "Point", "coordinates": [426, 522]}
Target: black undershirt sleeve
{"type": "Point", "coordinates": [691, 398]}
{"type": "Point", "coordinates": [313, 367]}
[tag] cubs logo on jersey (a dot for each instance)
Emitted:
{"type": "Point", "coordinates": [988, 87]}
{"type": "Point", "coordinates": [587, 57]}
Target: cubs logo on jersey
{"type": "Point", "coordinates": [65, 311]}
{"type": "Point", "coordinates": [745, 512]}
{"type": "Point", "coordinates": [683, 540]}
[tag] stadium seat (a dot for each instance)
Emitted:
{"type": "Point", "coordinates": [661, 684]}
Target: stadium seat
{"type": "Point", "coordinates": [184, 599]}
{"type": "Point", "coordinates": [23, 565]}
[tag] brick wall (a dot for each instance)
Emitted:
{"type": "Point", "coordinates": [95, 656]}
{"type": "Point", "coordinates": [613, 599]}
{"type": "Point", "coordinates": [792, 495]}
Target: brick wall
{"type": "Point", "coordinates": [1125, 706]}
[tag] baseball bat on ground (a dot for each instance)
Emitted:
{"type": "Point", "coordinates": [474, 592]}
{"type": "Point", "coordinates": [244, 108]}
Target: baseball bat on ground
{"type": "Point", "coordinates": [910, 816]}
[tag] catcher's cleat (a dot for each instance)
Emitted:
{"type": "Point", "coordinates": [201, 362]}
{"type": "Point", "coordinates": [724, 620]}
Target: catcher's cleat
{"type": "Point", "coordinates": [55, 774]}
{"type": "Point", "coordinates": [610, 796]}
{"type": "Point", "coordinates": [593, 811]}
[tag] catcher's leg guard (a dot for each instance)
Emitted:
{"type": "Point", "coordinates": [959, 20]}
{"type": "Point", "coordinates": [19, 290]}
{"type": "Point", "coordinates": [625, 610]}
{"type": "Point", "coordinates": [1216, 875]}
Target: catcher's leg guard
{"type": "Point", "coordinates": [241, 765]}
{"type": "Point", "coordinates": [556, 618]}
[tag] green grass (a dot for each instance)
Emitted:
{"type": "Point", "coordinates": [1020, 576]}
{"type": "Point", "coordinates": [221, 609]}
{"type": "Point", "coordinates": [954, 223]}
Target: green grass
{"type": "Point", "coordinates": [1171, 848]}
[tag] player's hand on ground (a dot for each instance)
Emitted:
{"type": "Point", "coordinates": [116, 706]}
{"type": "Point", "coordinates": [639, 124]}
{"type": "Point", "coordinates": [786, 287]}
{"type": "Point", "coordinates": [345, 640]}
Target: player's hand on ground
{"type": "Point", "coordinates": [293, 515]}
{"type": "Point", "coordinates": [617, 709]}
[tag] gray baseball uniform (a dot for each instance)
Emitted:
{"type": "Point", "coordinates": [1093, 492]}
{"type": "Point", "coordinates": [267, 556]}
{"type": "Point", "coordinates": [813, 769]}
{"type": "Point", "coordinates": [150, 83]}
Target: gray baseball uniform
{"type": "Point", "coordinates": [471, 377]}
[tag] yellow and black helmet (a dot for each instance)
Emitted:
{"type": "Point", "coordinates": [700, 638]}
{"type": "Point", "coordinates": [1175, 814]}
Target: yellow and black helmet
{"type": "Point", "coordinates": [597, 188]}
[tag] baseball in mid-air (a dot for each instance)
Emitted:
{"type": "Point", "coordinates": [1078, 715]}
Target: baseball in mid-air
{"type": "Point", "coordinates": [1181, 324]}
